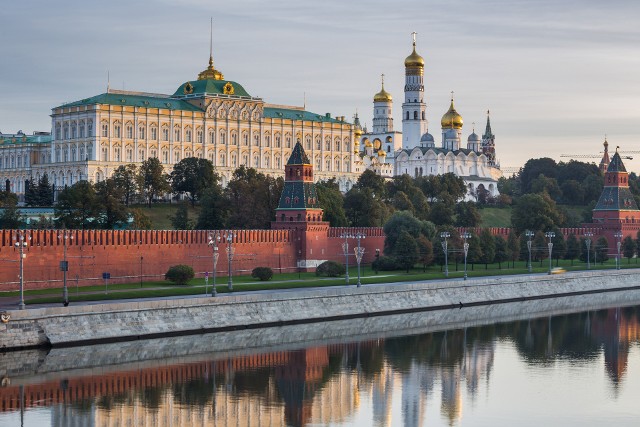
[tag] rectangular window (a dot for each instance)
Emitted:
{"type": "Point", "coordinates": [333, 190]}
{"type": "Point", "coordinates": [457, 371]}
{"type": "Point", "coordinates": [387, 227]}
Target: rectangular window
{"type": "Point", "coordinates": [105, 130]}
{"type": "Point", "coordinates": [154, 134]}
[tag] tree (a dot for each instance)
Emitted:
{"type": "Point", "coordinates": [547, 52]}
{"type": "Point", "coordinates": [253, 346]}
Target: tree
{"type": "Point", "coordinates": [502, 252]}
{"type": "Point", "coordinates": [513, 247]}
{"type": "Point", "coordinates": [488, 247]}
{"type": "Point", "coordinates": [262, 273]}
{"type": "Point", "coordinates": [252, 198]}
{"type": "Point", "coordinates": [140, 220]}
{"type": "Point", "coordinates": [425, 250]}
{"type": "Point", "coordinates": [442, 211]}
{"type": "Point", "coordinates": [110, 210]}
{"type": "Point", "coordinates": [544, 184]}
{"type": "Point", "coordinates": [401, 202]}
{"type": "Point", "coordinates": [363, 209]}
{"type": "Point", "coordinates": [406, 251]}
{"type": "Point", "coordinates": [533, 169]}
{"type": "Point", "coordinates": [374, 182]}
{"type": "Point", "coordinates": [152, 181]}
{"type": "Point", "coordinates": [331, 201]}
{"type": "Point", "coordinates": [474, 255]}
{"type": "Point", "coordinates": [213, 210]}
{"type": "Point", "coordinates": [573, 248]}
{"type": "Point", "coordinates": [535, 212]}
{"type": "Point", "coordinates": [192, 176]}
{"type": "Point", "coordinates": [399, 222]}
{"type": "Point", "coordinates": [628, 248]}
{"type": "Point", "coordinates": [559, 246]}
{"type": "Point", "coordinates": [77, 206]}
{"type": "Point", "coordinates": [10, 217]}
{"type": "Point", "coordinates": [467, 215]}
{"type": "Point", "coordinates": [40, 193]}
{"type": "Point", "coordinates": [181, 221]}
{"type": "Point", "coordinates": [539, 249]}
{"type": "Point", "coordinates": [602, 246]}
{"type": "Point", "coordinates": [125, 178]}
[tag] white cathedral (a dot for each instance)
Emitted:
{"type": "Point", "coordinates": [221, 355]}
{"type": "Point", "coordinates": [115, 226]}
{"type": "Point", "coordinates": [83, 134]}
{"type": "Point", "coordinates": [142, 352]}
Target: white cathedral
{"type": "Point", "coordinates": [413, 151]}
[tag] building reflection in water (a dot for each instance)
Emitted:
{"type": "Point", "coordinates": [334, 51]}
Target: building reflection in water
{"type": "Point", "coordinates": [327, 384]}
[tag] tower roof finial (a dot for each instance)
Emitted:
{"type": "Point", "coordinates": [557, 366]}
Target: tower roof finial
{"type": "Point", "coordinates": [413, 35]}
{"type": "Point", "coordinates": [210, 73]}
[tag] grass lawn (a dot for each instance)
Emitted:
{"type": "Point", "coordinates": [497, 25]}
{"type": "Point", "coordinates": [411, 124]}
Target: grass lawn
{"type": "Point", "coordinates": [159, 214]}
{"type": "Point", "coordinates": [495, 217]}
{"type": "Point", "coordinates": [295, 280]}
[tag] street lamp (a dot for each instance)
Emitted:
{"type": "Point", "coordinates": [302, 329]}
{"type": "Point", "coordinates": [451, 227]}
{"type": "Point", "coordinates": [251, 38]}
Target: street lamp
{"type": "Point", "coordinates": [618, 236]}
{"type": "Point", "coordinates": [213, 242]}
{"type": "Point", "coordinates": [230, 250]}
{"type": "Point", "coordinates": [444, 236]}
{"type": "Point", "coordinates": [550, 235]}
{"type": "Point", "coordinates": [21, 243]}
{"type": "Point", "coordinates": [64, 266]}
{"type": "Point", "coordinates": [529, 235]}
{"type": "Point", "coordinates": [359, 252]}
{"type": "Point", "coordinates": [588, 235]}
{"type": "Point", "coordinates": [345, 250]}
{"type": "Point", "coordinates": [466, 235]}
{"type": "Point", "coordinates": [377, 260]}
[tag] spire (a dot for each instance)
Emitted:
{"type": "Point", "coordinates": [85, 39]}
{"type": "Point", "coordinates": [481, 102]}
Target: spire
{"type": "Point", "coordinates": [487, 132]}
{"type": "Point", "coordinates": [210, 73]}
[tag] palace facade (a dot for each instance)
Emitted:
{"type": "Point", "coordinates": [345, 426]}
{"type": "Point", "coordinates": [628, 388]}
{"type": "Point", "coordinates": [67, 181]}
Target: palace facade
{"type": "Point", "coordinates": [208, 117]}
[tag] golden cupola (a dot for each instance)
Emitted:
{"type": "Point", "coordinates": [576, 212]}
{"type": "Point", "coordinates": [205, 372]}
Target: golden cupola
{"type": "Point", "coordinates": [414, 62]}
{"type": "Point", "coordinates": [451, 119]}
{"type": "Point", "coordinates": [210, 73]}
{"type": "Point", "coordinates": [383, 95]}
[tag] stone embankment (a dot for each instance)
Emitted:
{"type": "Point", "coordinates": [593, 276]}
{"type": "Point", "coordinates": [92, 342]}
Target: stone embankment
{"type": "Point", "coordinates": [78, 325]}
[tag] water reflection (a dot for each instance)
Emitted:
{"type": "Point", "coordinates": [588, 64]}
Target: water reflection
{"type": "Point", "coordinates": [377, 382]}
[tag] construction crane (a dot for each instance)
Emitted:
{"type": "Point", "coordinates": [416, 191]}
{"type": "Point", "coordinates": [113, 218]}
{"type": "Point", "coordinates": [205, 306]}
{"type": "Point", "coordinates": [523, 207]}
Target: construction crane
{"type": "Point", "coordinates": [597, 156]}
{"type": "Point", "coordinates": [510, 170]}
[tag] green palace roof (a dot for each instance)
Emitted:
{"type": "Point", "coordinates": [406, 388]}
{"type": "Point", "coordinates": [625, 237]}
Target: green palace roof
{"type": "Point", "coordinates": [134, 100]}
{"type": "Point", "coordinates": [210, 87]}
{"type": "Point", "coordinates": [294, 114]}
{"type": "Point", "coordinates": [26, 139]}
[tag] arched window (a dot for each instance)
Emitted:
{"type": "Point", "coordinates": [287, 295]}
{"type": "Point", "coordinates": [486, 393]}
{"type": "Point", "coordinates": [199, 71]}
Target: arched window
{"type": "Point", "coordinates": [187, 135]}
{"type": "Point", "coordinates": [423, 116]}
{"type": "Point", "coordinates": [176, 134]}
{"type": "Point", "coordinates": [277, 162]}
{"type": "Point", "coordinates": [327, 144]}
{"type": "Point", "coordinates": [165, 156]}
{"type": "Point", "coordinates": [105, 130]}
{"type": "Point", "coordinates": [407, 115]}
{"type": "Point", "coordinates": [415, 115]}
{"type": "Point", "coordinates": [105, 154]}
{"type": "Point", "coordinates": [223, 159]}
{"type": "Point", "coordinates": [199, 136]}
{"type": "Point", "coordinates": [234, 138]}
{"type": "Point", "coordinates": [256, 139]}
{"type": "Point", "coordinates": [165, 134]}
{"type": "Point", "coordinates": [117, 129]}
{"type": "Point", "coordinates": [90, 128]}
{"type": "Point", "coordinates": [223, 137]}
{"type": "Point", "coordinates": [129, 155]}
{"type": "Point", "coordinates": [277, 140]}
{"type": "Point", "coordinates": [245, 138]}
{"type": "Point", "coordinates": [74, 131]}
{"type": "Point", "coordinates": [337, 145]}
{"type": "Point", "coordinates": [212, 136]}
{"type": "Point", "coordinates": [141, 155]}
{"type": "Point", "coordinates": [141, 133]}
{"type": "Point", "coordinates": [154, 133]}
{"type": "Point", "coordinates": [129, 131]}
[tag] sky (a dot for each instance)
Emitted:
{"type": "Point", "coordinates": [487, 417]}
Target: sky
{"type": "Point", "coordinates": [557, 75]}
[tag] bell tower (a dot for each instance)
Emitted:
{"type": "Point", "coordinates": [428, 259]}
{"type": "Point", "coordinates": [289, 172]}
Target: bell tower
{"type": "Point", "coordinates": [414, 109]}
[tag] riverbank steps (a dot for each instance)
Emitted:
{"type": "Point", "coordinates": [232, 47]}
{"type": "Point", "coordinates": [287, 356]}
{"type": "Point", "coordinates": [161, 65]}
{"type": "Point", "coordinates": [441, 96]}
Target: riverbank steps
{"type": "Point", "coordinates": [127, 321]}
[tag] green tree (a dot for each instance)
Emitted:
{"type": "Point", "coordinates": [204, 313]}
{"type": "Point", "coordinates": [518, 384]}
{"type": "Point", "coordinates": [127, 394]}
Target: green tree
{"type": "Point", "coordinates": [179, 274]}
{"type": "Point", "coordinates": [152, 181]}
{"type": "Point", "coordinates": [540, 250]}
{"type": "Point", "coordinates": [252, 198]}
{"type": "Point", "coordinates": [467, 215]}
{"type": "Point", "coordinates": [40, 193]}
{"type": "Point", "coordinates": [535, 212]}
{"type": "Point", "coordinates": [602, 246]}
{"type": "Point", "coordinates": [442, 211]}
{"type": "Point", "coordinates": [10, 217]}
{"type": "Point", "coordinates": [572, 192]}
{"type": "Point", "coordinates": [213, 210]}
{"type": "Point", "coordinates": [406, 250]}
{"type": "Point", "coordinates": [544, 184]}
{"type": "Point", "coordinates": [140, 220]}
{"type": "Point", "coordinates": [559, 246]}
{"type": "Point", "coordinates": [453, 186]}
{"type": "Point", "coordinates": [502, 251]}
{"type": "Point", "coordinates": [363, 209]}
{"type": "Point", "coordinates": [77, 206]}
{"type": "Point", "coordinates": [628, 248]}
{"type": "Point", "coordinates": [533, 169]}
{"type": "Point", "coordinates": [125, 177]}
{"type": "Point", "coordinates": [475, 255]}
{"type": "Point", "coordinates": [181, 221]}
{"type": "Point", "coordinates": [425, 251]}
{"type": "Point", "coordinates": [573, 248]}
{"type": "Point", "coordinates": [192, 176]}
{"type": "Point", "coordinates": [401, 202]}
{"type": "Point", "coordinates": [110, 209]}
{"type": "Point", "coordinates": [374, 182]}
{"type": "Point", "coordinates": [513, 247]}
{"type": "Point", "coordinates": [399, 222]}
{"type": "Point", "coordinates": [488, 247]}
{"type": "Point", "coordinates": [331, 201]}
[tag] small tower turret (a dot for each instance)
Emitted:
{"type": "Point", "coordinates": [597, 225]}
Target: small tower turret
{"type": "Point", "coordinates": [382, 111]}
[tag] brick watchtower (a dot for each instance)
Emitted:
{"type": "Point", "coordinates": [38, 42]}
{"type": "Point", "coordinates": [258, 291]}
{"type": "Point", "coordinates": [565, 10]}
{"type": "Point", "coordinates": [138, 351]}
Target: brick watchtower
{"type": "Point", "coordinates": [300, 210]}
{"type": "Point", "coordinates": [616, 209]}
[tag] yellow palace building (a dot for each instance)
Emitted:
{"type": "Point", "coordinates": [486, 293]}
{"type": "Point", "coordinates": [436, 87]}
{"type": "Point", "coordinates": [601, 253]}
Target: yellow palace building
{"type": "Point", "coordinates": [209, 117]}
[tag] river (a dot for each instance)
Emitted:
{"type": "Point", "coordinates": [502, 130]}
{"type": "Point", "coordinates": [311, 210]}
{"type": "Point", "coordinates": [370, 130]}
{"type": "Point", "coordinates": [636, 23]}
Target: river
{"type": "Point", "coordinates": [576, 369]}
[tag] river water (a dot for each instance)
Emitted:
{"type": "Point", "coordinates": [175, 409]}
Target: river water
{"type": "Point", "coordinates": [577, 369]}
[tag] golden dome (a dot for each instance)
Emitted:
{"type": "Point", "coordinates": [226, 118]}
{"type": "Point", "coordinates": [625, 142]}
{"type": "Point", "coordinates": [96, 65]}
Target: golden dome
{"type": "Point", "coordinates": [414, 60]}
{"type": "Point", "coordinates": [210, 73]}
{"type": "Point", "coordinates": [382, 153]}
{"type": "Point", "coordinates": [367, 143]}
{"type": "Point", "coordinates": [451, 119]}
{"type": "Point", "coordinates": [383, 95]}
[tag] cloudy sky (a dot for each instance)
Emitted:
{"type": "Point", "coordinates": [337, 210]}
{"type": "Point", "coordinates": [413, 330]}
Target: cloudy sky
{"type": "Point", "coordinates": [557, 75]}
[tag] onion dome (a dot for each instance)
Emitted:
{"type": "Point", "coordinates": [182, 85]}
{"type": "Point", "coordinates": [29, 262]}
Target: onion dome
{"type": "Point", "coordinates": [368, 143]}
{"type": "Point", "coordinates": [427, 137]}
{"type": "Point", "coordinates": [414, 60]}
{"type": "Point", "coordinates": [382, 153]}
{"type": "Point", "coordinates": [210, 73]}
{"type": "Point", "coordinates": [473, 137]}
{"type": "Point", "coordinates": [383, 95]}
{"type": "Point", "coordinates": [451, 119]}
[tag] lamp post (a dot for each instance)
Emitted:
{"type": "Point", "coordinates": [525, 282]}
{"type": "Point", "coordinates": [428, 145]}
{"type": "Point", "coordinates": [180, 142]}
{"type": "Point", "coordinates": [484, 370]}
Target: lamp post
{"type": "Point", "coordinates": [377, 260]}
{"type": "Point", "coordinates": [64, 266]}
{"type": "Point", "coordinates": [465, 246]}
{"type": "Point", "coordinates": [21, 243]}
{"type": "Point", "coordinates": [587, 241]}
{"type": "Point", "coordinates": [529, 235]}
{"type": "Point", "coordinates": [213, 242]}
{"type": "Point", "coordinates": [550, 235]}
{"type": "Point", "coordinates": [141, 259]}
{"type": "Point", "coordinates": [359, 252]}
{"type": "Point", "coordinates": [445, 244]}
{"type": "Point", "coordinates": [345, 250]}
{"type": "Point", "coordinates": [618, 236]}
{"type": "Point", "coordinates": [230, 249]}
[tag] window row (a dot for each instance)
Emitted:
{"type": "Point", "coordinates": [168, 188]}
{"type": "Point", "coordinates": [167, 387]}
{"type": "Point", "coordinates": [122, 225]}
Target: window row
{"type": "Point", "coordinates": [74, 130]}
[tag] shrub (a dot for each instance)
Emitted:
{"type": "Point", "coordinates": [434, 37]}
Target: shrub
{"type": "Point", "coordinates": [330, 269]}
{"type": "Point", "coordinates": [179, 274]}
{"type": "Point", "coordinates": [386, 263]}
{"type": "Point", "coordinates": [262, 273]}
